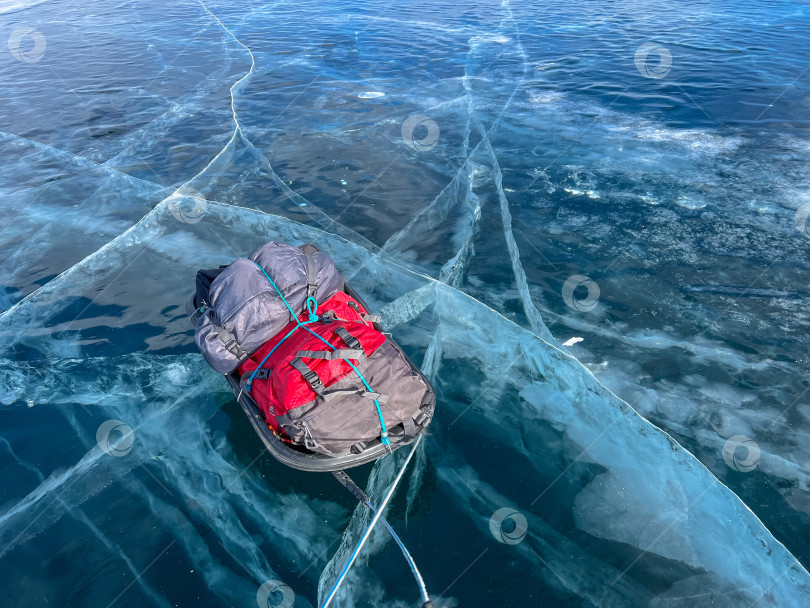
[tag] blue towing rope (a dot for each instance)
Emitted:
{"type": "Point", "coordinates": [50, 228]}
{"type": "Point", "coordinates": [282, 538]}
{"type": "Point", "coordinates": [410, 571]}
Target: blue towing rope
{"type": "Point", "coordinates": [377, 516]}
{"type": "Point", "coordinates": [358, 493]}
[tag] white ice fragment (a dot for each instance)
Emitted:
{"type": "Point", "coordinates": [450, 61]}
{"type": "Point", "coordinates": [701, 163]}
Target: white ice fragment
{"type": "Point", "coordinates": [542, 97]}
{"type": "Point", "coordinates": [496, 38]}
{"type": "Point", "coordinates": [689, 202]}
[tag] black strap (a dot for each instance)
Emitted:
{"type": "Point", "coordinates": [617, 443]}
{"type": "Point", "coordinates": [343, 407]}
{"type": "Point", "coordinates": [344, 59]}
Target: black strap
{"type": "Point", "coordinates": [310, 376]}
{"type": "Point", "coordinates": [352, 487]}
{"type": "Point", "coordinates": [231, 344]}
{"type": "Point", "coordinates": [205, 279]}
{"type": "Point", "coordinates": [263, 373]}
{"type": "Point", "coordinates": [364, 315]}
{"type": "Point", "coordinates": [358, 448]}
{"type": "Point", "coordinates": [328, 317]}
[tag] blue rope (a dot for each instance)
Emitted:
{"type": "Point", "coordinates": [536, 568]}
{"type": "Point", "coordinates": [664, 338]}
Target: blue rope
{"type": "Point", "coordinates": [281, 295]}
{"type": "Point", "coordinates": [370, 527]}
{"type": "Point", "coordinates": [312, 308]}
{"type": "Point", "coordinates": [272, 350]}
{"type": "Point", "coordinates": [417, 575]}
{"type": "Point", "coordinates": [313, 317]}
{"type": "Point", "coordinates": [384, 434]}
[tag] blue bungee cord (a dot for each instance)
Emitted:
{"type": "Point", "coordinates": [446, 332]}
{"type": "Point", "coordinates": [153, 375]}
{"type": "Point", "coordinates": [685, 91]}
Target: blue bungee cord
{"type": "Point", "coordinates": [312, 308]}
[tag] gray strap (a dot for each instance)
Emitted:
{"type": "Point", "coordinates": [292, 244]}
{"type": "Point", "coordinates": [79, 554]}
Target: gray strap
{"type": "Point", "coordinates": [341, 353]}
{"type": "Point", "coordinates": [380, 397]}
{"type": "Point", "coordinates": [409, 427]}
{"type": "Point", "coordinates": [352, 343]}
{"type": "Point", "coordinates": [230, 344]}
{"type": "Point", "coordinates": [310, 376]}
{"type": "Point", "coordinates": [312, 275]}
{"type": "Point", "coordinates": [413, 423]}
{"type": "Point", "coordinates": [350, 340]}
{"type": "Point", "coordinates": [372, 318]}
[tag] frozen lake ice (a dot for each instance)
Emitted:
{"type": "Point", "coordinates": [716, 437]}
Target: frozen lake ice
{"type": "Point", "coordinates": [496, 179]}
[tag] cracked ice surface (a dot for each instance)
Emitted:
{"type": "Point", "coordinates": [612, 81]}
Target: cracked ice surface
{"type": "Point", "coordinates": [632, 490]}
{"type": "Point", "coordinates": [530, 182]}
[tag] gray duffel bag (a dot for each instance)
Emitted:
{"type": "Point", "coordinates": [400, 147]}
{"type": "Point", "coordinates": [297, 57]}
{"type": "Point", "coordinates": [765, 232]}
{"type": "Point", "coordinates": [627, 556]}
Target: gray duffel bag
{"type": "Point", "coordinates": [244, 310]}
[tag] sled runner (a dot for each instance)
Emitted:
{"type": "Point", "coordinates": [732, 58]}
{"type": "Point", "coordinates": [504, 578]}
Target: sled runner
{"type": "Point", "coordinates": [323, 387]}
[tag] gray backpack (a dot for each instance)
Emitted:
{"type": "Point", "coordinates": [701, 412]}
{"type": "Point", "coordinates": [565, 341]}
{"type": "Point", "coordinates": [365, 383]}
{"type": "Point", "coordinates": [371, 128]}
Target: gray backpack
{"type": "Point", "coordinates": [244, 310]}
